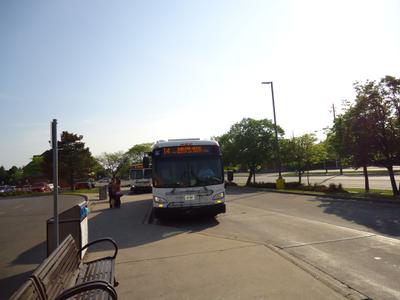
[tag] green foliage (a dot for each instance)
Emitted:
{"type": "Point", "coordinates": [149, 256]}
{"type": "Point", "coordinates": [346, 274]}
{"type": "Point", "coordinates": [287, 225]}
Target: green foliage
{"type": "Point", "coordinates": [137, 152]}
{"type": "Point", "coordinates": [300, 152]}
{"type": "Point", "coordinates": [249, 143]}
{"type": "Point", "coordinates": [35, 167]}
{"type": "Point", "coordinates": [14, 176]}
{"type": "Point", "coordinates": [74, 160]}
{"type": "Point", "coordinates": [119, 163]}
{"type": "Point", "coordinates": [331, 189]}
{"type": "Point", "coordinates": [113, 162]}
{"type": "Point", "coordinates": [368, 132]}
{"type": "Point", "coordinates": [3, 175]}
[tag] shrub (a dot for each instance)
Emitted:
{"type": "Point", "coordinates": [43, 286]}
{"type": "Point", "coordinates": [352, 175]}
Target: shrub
{"type": "Point", "coordinates": [336, 189]}
{"type": "Point", "coordinates": [267, 185]}
{"type": "Point", "coordinates": [293, 186]}
{"type": "Point", "coordinates": [320, 188]}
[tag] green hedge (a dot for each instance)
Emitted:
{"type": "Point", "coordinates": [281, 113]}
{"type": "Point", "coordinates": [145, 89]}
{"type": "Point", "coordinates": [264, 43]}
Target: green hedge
{"type": "Point", "coordinates": [22, 193]}
{"type": "Point", "coordinates": [332, 188]}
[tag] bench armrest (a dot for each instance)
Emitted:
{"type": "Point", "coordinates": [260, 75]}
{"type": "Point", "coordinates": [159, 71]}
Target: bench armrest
{"type": "Point", "coordinates": [99, 241]}
{"type": "Point", "coordinates": [88, 286]}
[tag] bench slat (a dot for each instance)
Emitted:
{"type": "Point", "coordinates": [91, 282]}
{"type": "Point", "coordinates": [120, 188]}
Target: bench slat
{"type": "Point", "coordinates": [59, 270]}
{"type": "Point", "coordinates": [64, 273]}
{"type": "Point", "coordinates": [28, 291]}
{"type": "Point", "coordinates": [62, 276]}
{"type": "Point", "coordinates": [98, 270]}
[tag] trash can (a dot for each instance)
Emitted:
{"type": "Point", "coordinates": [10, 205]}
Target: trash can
{"type": "Point", "coordinates": [103, 192]}
{"type": "Point", "coordinates": [73, 221]}
{"type": "Point", "coordinates": [230, 176]}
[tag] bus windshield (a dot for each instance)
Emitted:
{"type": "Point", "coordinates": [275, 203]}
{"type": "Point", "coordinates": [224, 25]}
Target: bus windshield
{"type": "Point", "coordinates": [136, 174]}
{"type": "Point", "coordinates": [140, 174]}
{"type": "Point", "coordinates": [187, 172]}
{"type": "Point", "coordinates": [147, 173]}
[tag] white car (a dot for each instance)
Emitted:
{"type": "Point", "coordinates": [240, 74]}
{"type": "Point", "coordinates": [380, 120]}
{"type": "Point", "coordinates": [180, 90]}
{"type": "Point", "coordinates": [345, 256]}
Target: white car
{"type": "Point", "coordinates": [104, 180]}
{"type": "Point", "coordinates": [6, 189]}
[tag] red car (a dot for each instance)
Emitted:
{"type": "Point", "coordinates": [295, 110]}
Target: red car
{"type": "Point", "coordinates": [41, 187]}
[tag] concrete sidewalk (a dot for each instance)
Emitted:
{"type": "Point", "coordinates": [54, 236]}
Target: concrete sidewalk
{"type": "Point", "coordinates": [184, 262]}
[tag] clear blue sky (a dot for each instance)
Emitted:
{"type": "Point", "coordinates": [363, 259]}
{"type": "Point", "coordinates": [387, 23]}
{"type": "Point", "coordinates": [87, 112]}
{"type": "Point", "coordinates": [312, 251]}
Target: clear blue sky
{"type": "Point", "coordinates": [127, 72]}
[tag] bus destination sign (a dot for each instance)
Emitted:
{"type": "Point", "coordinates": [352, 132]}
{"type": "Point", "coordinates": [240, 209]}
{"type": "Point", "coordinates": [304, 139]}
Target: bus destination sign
{"type": "Point", "coordinates": [185, 150]}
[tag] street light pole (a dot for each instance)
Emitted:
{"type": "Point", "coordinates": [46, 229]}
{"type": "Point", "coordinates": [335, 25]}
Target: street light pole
{"type": "Point", "coordinates": [276, 130]}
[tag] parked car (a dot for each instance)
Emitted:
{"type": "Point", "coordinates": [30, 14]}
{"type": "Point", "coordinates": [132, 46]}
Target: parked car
{"type": "Point", "coordinates": [40, 187]}
{"type": "Point", "coordinates": [27, 188]}
{"type": "Point", "coordinates": [6, 189]}
{"type": "Point", "coordinates": [51, 185]}
{"type": "Point", "coordinates": [104, 180]}
{"type": "Point", "coordinates": [85, 184]}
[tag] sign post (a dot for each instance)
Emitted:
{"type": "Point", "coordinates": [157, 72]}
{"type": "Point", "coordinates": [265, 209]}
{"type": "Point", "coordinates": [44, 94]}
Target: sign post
{"type": "Point", "coordinates": [55, 179]}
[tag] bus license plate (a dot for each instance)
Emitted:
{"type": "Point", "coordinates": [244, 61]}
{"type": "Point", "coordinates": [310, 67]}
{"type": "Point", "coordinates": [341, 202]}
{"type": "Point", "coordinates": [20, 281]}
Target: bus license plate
{"type": "Point", "coordinates": [189, 197]}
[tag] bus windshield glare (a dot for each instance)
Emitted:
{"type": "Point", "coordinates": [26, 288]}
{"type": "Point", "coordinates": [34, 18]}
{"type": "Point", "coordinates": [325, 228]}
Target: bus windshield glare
{"type": "Point", "coordinates": [173, 172]}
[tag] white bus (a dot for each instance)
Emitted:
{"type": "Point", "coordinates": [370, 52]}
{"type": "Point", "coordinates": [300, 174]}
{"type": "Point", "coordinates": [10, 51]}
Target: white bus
{"type": "Point", "coordinates": [188, 176]}
{"type": "Point", "coordinates": [140, 178]}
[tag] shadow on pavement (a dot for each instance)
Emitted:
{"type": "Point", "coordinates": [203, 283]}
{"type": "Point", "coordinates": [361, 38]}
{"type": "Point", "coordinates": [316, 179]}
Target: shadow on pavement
{"type": "Point", "coordinates": [34, 255]}
{"type": "Point", "coordinates": [129, 226]}
{"type": "Point", "coordinates": [188, 223]}
{"type": "Point", "coordinates": [10, 284]}
{"type": "Point", "coordinates": [381, 217]}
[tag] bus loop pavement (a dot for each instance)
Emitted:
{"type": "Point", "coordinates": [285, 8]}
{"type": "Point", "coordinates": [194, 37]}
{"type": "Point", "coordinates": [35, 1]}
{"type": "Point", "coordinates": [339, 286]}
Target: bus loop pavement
{"type": "Point", "coordinates": [179, 259]}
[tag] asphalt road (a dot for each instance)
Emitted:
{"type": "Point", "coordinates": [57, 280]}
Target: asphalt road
{"type": "Point", "coordinates": [357, 243]}
{"type": "Point", "coordinates": [354, 242]}
{"type": "Point", "coordinates": [23, 237]}
{"type": "Point", "coordinates": [348, 181]}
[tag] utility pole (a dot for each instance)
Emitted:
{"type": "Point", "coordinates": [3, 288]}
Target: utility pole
{"type": "Point", "coordinates": [338, 155]}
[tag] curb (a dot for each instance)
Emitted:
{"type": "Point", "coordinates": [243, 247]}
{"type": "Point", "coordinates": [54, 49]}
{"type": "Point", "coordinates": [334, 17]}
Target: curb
{"type": "Point", "coordinates": [333, 283]}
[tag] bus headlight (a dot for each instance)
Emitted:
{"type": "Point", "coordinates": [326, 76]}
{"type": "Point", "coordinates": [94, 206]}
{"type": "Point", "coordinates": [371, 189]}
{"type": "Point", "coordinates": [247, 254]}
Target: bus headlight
{"type": "Point", "coordinates": [159, 200]}
{"type": "Point", "coordinates": [219, 196]}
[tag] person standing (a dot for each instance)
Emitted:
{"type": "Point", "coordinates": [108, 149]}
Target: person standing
{"type": "Point", "coordinates": [111, 193]}
{"type": "Point", "coordinates": [117, 192]}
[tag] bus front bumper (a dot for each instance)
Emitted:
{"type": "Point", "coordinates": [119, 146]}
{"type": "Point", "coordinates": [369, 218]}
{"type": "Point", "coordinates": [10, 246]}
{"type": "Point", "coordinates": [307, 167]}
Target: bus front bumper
{"type": "Point", "coordinates": [137, 188]}
{"type": "Point", "coordinates": [213, 209]}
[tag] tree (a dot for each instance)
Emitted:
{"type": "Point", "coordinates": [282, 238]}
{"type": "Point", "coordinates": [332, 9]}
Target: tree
{"type": "Point", "coordinates": [137, 152]}
{"type": "Point", "coordinates": [15, 175]}
{"type": "Point", "coordinates": [249, 143]}
{"type": "Point", "coordinates": [119, 163]}
{"type": "Point", "coordinates": [379, 103]}
{"type": "Point", "coordinates": [357, 136]}
{"type": "Point", "coordinates": [74, 159]}
{"type": "Point", "coordinates": [321, 154]}
{"type": "Point", "coordinates": [300, 152]}
{"type": "Point", "coordinates": [3, 175]}
{"type": "Point", "coordinates": [113, 162]}
{"type": "Point", "coordinates": [368, 132]}
{"type": "Point", "coordinates": [35, 167]}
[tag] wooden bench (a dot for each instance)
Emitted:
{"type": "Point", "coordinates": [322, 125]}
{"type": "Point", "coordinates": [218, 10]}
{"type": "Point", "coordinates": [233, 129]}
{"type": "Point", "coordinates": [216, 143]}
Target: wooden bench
{"type": "Point", "coordinates": [29, 291]}
{"type": "Point", "coordinates": [63, 275]}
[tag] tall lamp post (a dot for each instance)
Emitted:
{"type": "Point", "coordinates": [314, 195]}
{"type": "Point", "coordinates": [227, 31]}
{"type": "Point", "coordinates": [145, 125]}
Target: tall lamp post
{"type": "Point", "coordinates": [276, 130]}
